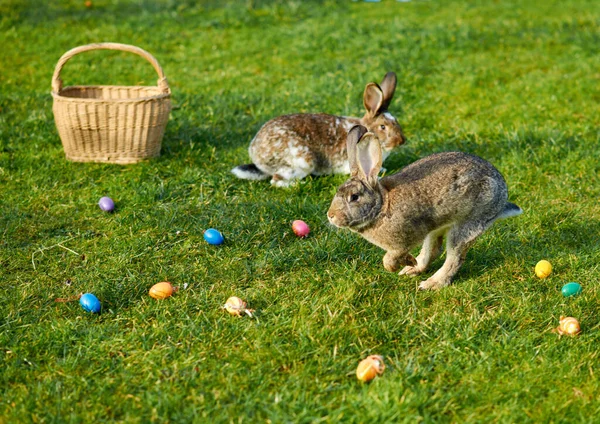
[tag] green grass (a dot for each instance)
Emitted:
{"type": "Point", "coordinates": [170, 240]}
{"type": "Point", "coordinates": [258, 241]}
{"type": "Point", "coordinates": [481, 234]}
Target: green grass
{"type": "Point", "coordinates": [516, 82]}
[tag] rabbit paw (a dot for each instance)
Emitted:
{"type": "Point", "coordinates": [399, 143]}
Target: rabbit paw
{"type": "Point", "coordinates": [412, 270]}
{"type": "Point", "coordinates": [393, 260]}
{"type": "Point", "coordinates": [434, 283]}
{"type": "Point", "coordinates": [277, 181]}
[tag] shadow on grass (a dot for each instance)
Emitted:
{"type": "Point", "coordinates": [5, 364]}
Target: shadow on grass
{"type": "Point", "coordinates": [577, 236]}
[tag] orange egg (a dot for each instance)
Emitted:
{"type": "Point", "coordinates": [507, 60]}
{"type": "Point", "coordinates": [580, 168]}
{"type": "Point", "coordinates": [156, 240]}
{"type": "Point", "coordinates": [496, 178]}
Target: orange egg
{"type": "Point", "coordinates": [370, 367]}
{"type": "Point", "coordinates": [568, 326]}
{"type": "Point", "coordinates": [162, 290]}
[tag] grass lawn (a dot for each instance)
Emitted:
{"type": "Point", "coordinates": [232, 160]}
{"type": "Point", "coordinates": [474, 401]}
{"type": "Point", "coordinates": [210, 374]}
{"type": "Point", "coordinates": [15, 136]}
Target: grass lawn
{"type": "Point", "coordinates": [516, 82]}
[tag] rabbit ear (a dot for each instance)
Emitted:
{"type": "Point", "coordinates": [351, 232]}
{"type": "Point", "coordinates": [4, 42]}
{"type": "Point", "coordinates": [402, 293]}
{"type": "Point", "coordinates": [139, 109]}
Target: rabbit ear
{"type": "Point", "coordinates": [388, 86]}
{"type": "Point", "coordinates": [373, 99]}
{"type": "Point", "coordinates": [369, 157]}
{"type": "Point", "coordinates": [354, 135]}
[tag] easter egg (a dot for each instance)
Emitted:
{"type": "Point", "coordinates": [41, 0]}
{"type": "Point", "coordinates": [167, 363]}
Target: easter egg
{"type": "Point", "coordinates": [569, 326]}
{"type": "Point", "coordinates": [369, 368]}
{"type": "Point", "coordinates": [161, 290]}
{"type": "Point", "coordinates": [300, 228]}
{"type": "Point", "coordinates": [212, 236]}
{"type": "Point", "coordinates": [106, 204]}
{"type": "Point", "coordinates": [543, 269]}
{"type": "Point", "coordinates": [571, 289]}
{"type": "Point", "coordinates": [90, 303]}
{"type": "Point", "coordinates": [236, 306]}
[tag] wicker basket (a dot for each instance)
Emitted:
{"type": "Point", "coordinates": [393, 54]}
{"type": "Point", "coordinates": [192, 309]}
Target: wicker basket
{"type": "Point", "coordinates": [110, 123]}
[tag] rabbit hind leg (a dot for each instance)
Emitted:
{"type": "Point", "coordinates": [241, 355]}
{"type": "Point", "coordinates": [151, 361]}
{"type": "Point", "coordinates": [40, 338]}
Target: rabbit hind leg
{"type": "Point", "coordinates": [285, 177]}
{"type": "Point", "coordinates": [431, 249]}
{"type": "Point", "coordinates": [295, 169]}
{"type": "Point", "coordinates": [460, 238]}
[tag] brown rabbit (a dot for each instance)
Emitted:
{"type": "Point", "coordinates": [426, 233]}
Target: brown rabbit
{"type": "Point", "coordinates": [290, 147]}
{"type": "Point", "coordinates": [453, 194]}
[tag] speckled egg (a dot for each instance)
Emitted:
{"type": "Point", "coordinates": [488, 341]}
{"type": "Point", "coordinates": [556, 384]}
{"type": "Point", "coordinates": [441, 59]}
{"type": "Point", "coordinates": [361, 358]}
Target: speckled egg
{"type": "Point", "coordinates": [543, 269]}
{"type": "Point", "coordinates": [90, 303]}
{"type": "Point", "coordinates": [106, 204]}
{"type": "Point", "coordinates": [571, 289]}
{"type": "Point", "coordinates": [369, 368]}
{"type": "Point", "coordinates": [213, 236]}
{"type": "Point", "coordinates": [161, 290]}
{"type": "Point", "coordinates": [300, 228]}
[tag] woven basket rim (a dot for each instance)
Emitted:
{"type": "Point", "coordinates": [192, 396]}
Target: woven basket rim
{"type": "Point", "coordinates": [116, 158]}
{"type": "Point", "coordinates": [159, 96]}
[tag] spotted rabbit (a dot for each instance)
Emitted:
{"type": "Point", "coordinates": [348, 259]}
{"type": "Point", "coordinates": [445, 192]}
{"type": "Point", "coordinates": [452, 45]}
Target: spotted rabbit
{"type": "Point", "coordinates": [290, 147]}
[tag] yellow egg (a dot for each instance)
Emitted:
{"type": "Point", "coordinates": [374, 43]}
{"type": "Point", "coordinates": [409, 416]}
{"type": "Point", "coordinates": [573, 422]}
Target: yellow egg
{"type": "Point", "coordinates": [236, 306]}
{"type": "Point", "coordinates": [161, 290]}
{"type": "Point", "coordinates": [568, 326]}
{"type": "Point", "coordinates": [543, 269]}
{"type": "Point", "coordinates": [369, 368]}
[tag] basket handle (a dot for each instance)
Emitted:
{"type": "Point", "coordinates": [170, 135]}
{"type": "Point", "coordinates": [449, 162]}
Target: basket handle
{"type": "Point", "coordinates": [57, 83]}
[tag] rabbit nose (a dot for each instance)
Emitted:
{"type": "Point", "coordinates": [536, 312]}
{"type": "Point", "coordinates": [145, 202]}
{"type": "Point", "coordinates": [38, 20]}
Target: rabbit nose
{"type": "Point", "coordinates": [331, 217]}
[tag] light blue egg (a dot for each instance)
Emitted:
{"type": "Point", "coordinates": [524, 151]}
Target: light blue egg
{"type": "Point", "coordinates": [212, 236]}
{"type": "Point", "coordinates": [571, 289]}
{"type": "Point", "coordinates": [90, 303]}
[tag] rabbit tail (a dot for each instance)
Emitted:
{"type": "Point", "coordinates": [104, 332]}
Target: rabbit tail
{"type": "Point", "coordinates": [249, 172]}
{"type": "Point", "coordinates": [510, 210]}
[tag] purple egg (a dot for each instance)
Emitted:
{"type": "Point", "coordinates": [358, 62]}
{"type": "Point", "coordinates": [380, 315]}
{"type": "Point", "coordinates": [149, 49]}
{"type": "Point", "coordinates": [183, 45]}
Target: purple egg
{"type": "Point", "coordinates": [106, 204]}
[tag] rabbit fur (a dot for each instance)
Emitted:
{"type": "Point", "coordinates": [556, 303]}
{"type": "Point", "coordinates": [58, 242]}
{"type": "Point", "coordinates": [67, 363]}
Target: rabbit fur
{"type": "Point", "coordinates": [290, 147]}
{"type": "Point", "coordinates": [450, 194]}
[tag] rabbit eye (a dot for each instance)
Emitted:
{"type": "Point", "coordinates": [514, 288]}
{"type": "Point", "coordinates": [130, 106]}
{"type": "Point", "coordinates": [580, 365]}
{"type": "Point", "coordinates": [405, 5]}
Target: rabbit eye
{"type": "Point", "coordinates": [382, 127]}
{"type": "Point", "coordinates": [353, 197]}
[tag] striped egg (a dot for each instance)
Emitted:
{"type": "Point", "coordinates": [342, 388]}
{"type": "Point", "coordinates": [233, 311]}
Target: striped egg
{"type": "Point", "coordinates": [369, 368]}
{"type": "Point", "coordinates": [235, 306]}
{"type": "Point", "coordinates": [568, 326]}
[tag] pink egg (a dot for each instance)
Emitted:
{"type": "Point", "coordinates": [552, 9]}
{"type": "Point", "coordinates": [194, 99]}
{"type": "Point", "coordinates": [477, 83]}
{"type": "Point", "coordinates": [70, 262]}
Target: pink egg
{"type": "Point", "coordinates": [300, 228]}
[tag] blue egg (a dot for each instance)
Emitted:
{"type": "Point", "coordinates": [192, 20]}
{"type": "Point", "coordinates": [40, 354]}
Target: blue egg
{"type": "Point", "coordinates": [90, 303]}
{"type": "Point", "coordinates": [571, 289]}
{"type": "Point", "coordinates": [212, 236]}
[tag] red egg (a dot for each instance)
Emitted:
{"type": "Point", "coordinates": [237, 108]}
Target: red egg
{"type": "Point", "coordinates": [300, 228]}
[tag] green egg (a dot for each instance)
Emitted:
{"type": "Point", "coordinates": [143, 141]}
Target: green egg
{"type": "Point", "coordinates": [571, 289]}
